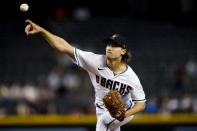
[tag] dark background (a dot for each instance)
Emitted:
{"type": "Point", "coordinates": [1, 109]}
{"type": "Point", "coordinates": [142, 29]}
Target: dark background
{"type": "Point", "coordinates": [161, 34]}
{"type": "Point", "coordinates": [180, 11]}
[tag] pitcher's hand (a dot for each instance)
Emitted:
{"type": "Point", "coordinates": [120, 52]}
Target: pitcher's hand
{"type": "Point", "coordinates": [32, 28]}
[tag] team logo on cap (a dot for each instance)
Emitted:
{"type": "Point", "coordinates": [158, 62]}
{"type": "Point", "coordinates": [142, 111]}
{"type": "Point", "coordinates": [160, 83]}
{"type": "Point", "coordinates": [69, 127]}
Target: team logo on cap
{"type": "Point", "coordinates": [115, 35]}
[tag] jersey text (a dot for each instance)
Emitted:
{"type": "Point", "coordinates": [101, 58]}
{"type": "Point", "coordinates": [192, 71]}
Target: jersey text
{"type": "Point", "coordinates": [113, 85]}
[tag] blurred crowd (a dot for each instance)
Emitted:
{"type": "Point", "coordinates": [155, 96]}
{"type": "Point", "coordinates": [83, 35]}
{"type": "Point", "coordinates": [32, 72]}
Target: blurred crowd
{"type": "Point", "coordinates": [179, 94]}
{"type": "Point", "coordinates": [61, 91]}
{"type": "Point", "coordinates": [70, 92]}
{"type": "Point", "coordinates": [170, 86]}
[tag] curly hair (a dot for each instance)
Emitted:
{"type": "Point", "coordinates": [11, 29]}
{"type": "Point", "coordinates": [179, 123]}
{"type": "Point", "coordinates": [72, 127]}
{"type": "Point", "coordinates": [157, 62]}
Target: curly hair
{"type": "Point", "coordinates": [126, 57]}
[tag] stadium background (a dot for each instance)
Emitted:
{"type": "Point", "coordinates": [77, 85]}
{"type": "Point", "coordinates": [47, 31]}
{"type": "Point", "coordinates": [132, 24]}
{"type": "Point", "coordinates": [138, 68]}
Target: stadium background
{"type": "Point", "coordinates": [41, 89]}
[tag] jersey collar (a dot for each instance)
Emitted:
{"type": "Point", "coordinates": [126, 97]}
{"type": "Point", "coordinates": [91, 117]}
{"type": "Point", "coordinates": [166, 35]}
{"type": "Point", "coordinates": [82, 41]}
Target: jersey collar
{"type": "Point", "coordinates": [120, 72]}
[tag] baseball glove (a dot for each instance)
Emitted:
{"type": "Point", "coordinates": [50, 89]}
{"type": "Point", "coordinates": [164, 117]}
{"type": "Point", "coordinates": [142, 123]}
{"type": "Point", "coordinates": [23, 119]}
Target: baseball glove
{"type": "Point", "coordinates": [115, 105]}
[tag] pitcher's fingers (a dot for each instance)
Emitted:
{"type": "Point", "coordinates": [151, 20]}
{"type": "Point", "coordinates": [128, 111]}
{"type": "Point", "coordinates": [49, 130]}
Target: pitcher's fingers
{"type": "Point", "coordinates": [27, 28]}
{"type": "Point", "coordinates": [29, 21]}
{"type": "Point", "coordinates": [32, 32]}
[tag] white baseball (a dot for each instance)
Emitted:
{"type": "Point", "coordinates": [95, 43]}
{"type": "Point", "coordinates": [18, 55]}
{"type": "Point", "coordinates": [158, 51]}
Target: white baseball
{"type": "Point", "coordinates": [24, 7]}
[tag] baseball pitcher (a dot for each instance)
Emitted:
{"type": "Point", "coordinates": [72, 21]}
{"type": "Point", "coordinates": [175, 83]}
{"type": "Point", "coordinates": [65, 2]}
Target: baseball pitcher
{"type": "Point", "coordinates": [118, 92]}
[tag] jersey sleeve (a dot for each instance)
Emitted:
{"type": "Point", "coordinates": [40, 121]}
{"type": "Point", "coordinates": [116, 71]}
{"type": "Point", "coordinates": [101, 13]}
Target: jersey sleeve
{"type": "Point", "coordinates": [137, 94]}
{"type": "Point", "coordinates": [86, 60]}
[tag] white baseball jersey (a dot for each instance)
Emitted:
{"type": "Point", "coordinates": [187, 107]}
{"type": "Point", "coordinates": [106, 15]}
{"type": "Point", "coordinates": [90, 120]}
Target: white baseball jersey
{"type": "Point", "coordinates": [104, 79]}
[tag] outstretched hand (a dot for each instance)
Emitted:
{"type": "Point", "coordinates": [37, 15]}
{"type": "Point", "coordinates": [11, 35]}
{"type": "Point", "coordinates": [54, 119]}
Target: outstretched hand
{"type": "Point", "coordinates": [32, 28]}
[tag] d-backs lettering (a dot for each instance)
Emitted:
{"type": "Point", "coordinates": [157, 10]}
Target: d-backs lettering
{"type": "Point", "coordinates": [113, 85]}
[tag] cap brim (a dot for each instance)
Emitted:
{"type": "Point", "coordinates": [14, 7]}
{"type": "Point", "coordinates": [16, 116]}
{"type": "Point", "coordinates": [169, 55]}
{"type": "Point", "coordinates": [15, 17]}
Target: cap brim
{"type": "Point", "coordinates": [107, 41]}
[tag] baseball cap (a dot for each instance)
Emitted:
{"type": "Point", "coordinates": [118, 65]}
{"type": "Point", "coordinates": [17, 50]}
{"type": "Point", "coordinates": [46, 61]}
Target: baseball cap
{"type": "Point", "coordinates": [116, 39]}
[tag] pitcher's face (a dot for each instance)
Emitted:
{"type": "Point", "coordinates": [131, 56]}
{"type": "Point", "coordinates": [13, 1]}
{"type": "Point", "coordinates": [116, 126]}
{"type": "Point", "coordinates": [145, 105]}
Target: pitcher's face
{"type": "Point", "coordinates": [114, 51]}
